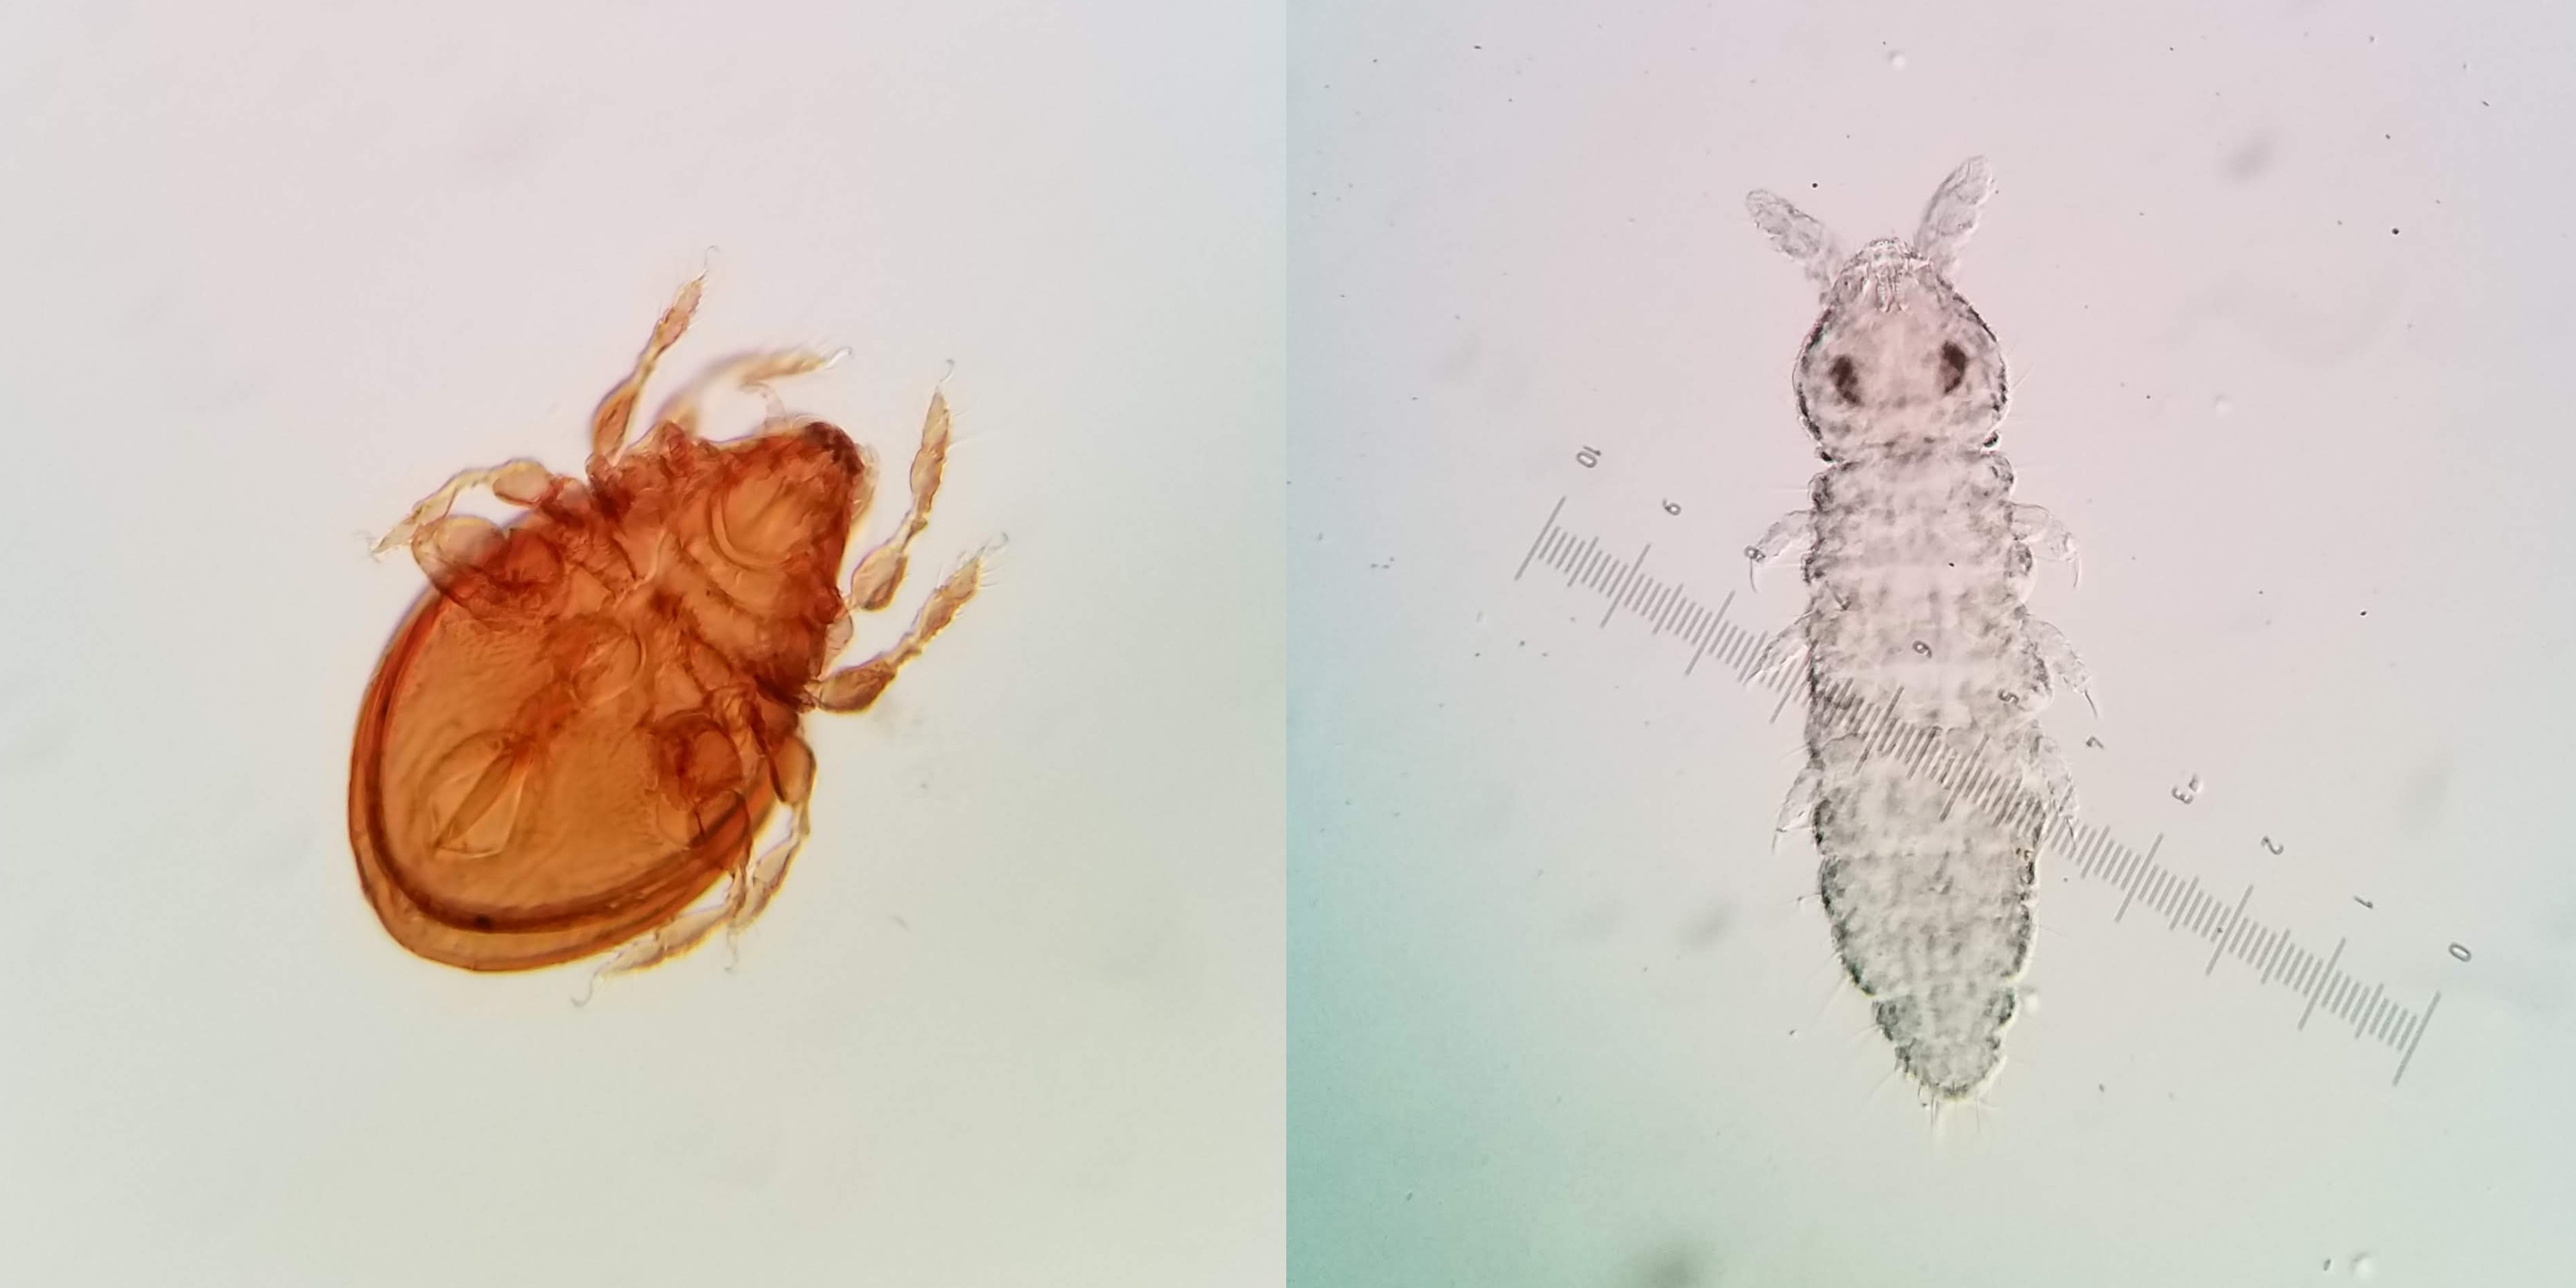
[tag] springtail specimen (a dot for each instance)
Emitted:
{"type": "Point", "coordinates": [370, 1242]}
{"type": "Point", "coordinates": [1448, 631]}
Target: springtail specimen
{"type": "Point", "coordinates": [1928, 784]}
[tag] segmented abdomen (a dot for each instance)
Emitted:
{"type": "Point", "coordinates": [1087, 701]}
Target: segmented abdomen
{"type": "Point", "coordinates": [1922, 734]}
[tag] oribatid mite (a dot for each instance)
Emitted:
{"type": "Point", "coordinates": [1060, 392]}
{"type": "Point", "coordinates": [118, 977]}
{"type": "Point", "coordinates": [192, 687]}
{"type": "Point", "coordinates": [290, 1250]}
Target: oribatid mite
{"type": "Point", "coordinates": [591, 712]}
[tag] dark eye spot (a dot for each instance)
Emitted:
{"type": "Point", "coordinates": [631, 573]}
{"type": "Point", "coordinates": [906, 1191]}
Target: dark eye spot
{"type": "Point", "coordinates": [1954, 367]}
{"type": "Point", "coordinates": [1846, 379]}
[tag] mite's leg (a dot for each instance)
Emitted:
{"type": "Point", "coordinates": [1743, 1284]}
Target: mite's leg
{"type": "Point", "coordinates": [792, 774]}
{"type": "Point", "coordinates": [609, 424]}
{"type": "Point", "coordinates": [1792, 532]}
{"type": "Point", "coordinates": [677, 936]}
{"type": "Point", "coordinates": [735, 717]}
{"type": "Point", "coordinates": [449, 547]}
{"type": "Point", "coordinates": [673, 939]}
{"type": "Point", "coordinates": [2058, 664]}
{"type": "Point", "coordinates": [880, 571]}
{"type": "Point", "coordinates": [836, 638]}
{"type": "Point", "coordinates": [522, 482]}
{"type": "Point", "coordinates": [752, 371]}
{"type": "Point", "coordinates": [854, 688]}
{"type": "Point", "coordinates": [2046, 537]}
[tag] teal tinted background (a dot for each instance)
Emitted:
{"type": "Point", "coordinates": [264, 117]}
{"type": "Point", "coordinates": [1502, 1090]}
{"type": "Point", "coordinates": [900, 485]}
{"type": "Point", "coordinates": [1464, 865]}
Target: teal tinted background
{"type": "Point", "coordinates": [2285, 311]}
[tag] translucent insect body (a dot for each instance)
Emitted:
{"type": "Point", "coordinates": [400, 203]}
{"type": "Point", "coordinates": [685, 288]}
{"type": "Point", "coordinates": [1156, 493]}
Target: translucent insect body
{"type": "Point", "coordinates": [1928, 785]}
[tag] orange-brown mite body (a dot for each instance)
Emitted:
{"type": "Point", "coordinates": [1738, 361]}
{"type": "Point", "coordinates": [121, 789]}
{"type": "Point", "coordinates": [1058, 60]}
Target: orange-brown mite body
{"type": "Point", "coordinates": [583, 724]}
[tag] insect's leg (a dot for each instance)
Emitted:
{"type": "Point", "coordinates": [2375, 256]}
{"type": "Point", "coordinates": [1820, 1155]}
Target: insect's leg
{"type": "Point", "coordinates": [616, 413]}
{"type": "Point", "coordinates": [522, 482]}
{"type": "Point", "coordinates": [1785, 648]}
{"type": "Point", "coordinates": [854, 688]}
{"type": "Point", "coordinates": [752, 371]}
{"type": "Point", "coordinates": [2047, 538]}
{"type": "Point", "coordinates": [2057, 784]}
{"type": "Point", "coordinates": [792, 775]}
{"type": "Point", "coordinates": [2059, 666]}
{"type": "Point", "coordinates": [1799, 810]}
{"type": "Point", "coordinates": [880, 570]}
{"type": "Point", "coordinates": [1791, 532]}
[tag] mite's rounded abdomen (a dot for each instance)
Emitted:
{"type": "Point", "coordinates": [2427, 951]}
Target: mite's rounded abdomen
{"type": "Point", "coordinates": [510, 805]}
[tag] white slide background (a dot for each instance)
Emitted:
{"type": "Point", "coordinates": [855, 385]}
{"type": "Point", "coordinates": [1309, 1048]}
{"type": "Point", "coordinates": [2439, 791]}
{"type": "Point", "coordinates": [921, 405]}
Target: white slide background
{"type": "Point", "coordinates": [275, 272]}
{"type": "Point", "coordinates": [2284, 292]}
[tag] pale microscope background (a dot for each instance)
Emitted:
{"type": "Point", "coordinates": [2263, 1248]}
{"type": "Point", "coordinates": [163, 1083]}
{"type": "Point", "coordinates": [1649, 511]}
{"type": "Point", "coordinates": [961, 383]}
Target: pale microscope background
{"type": "Point", "coordinates": [1015, 1018]}
{"type": "Point", "coordinates": [2284, 289]}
